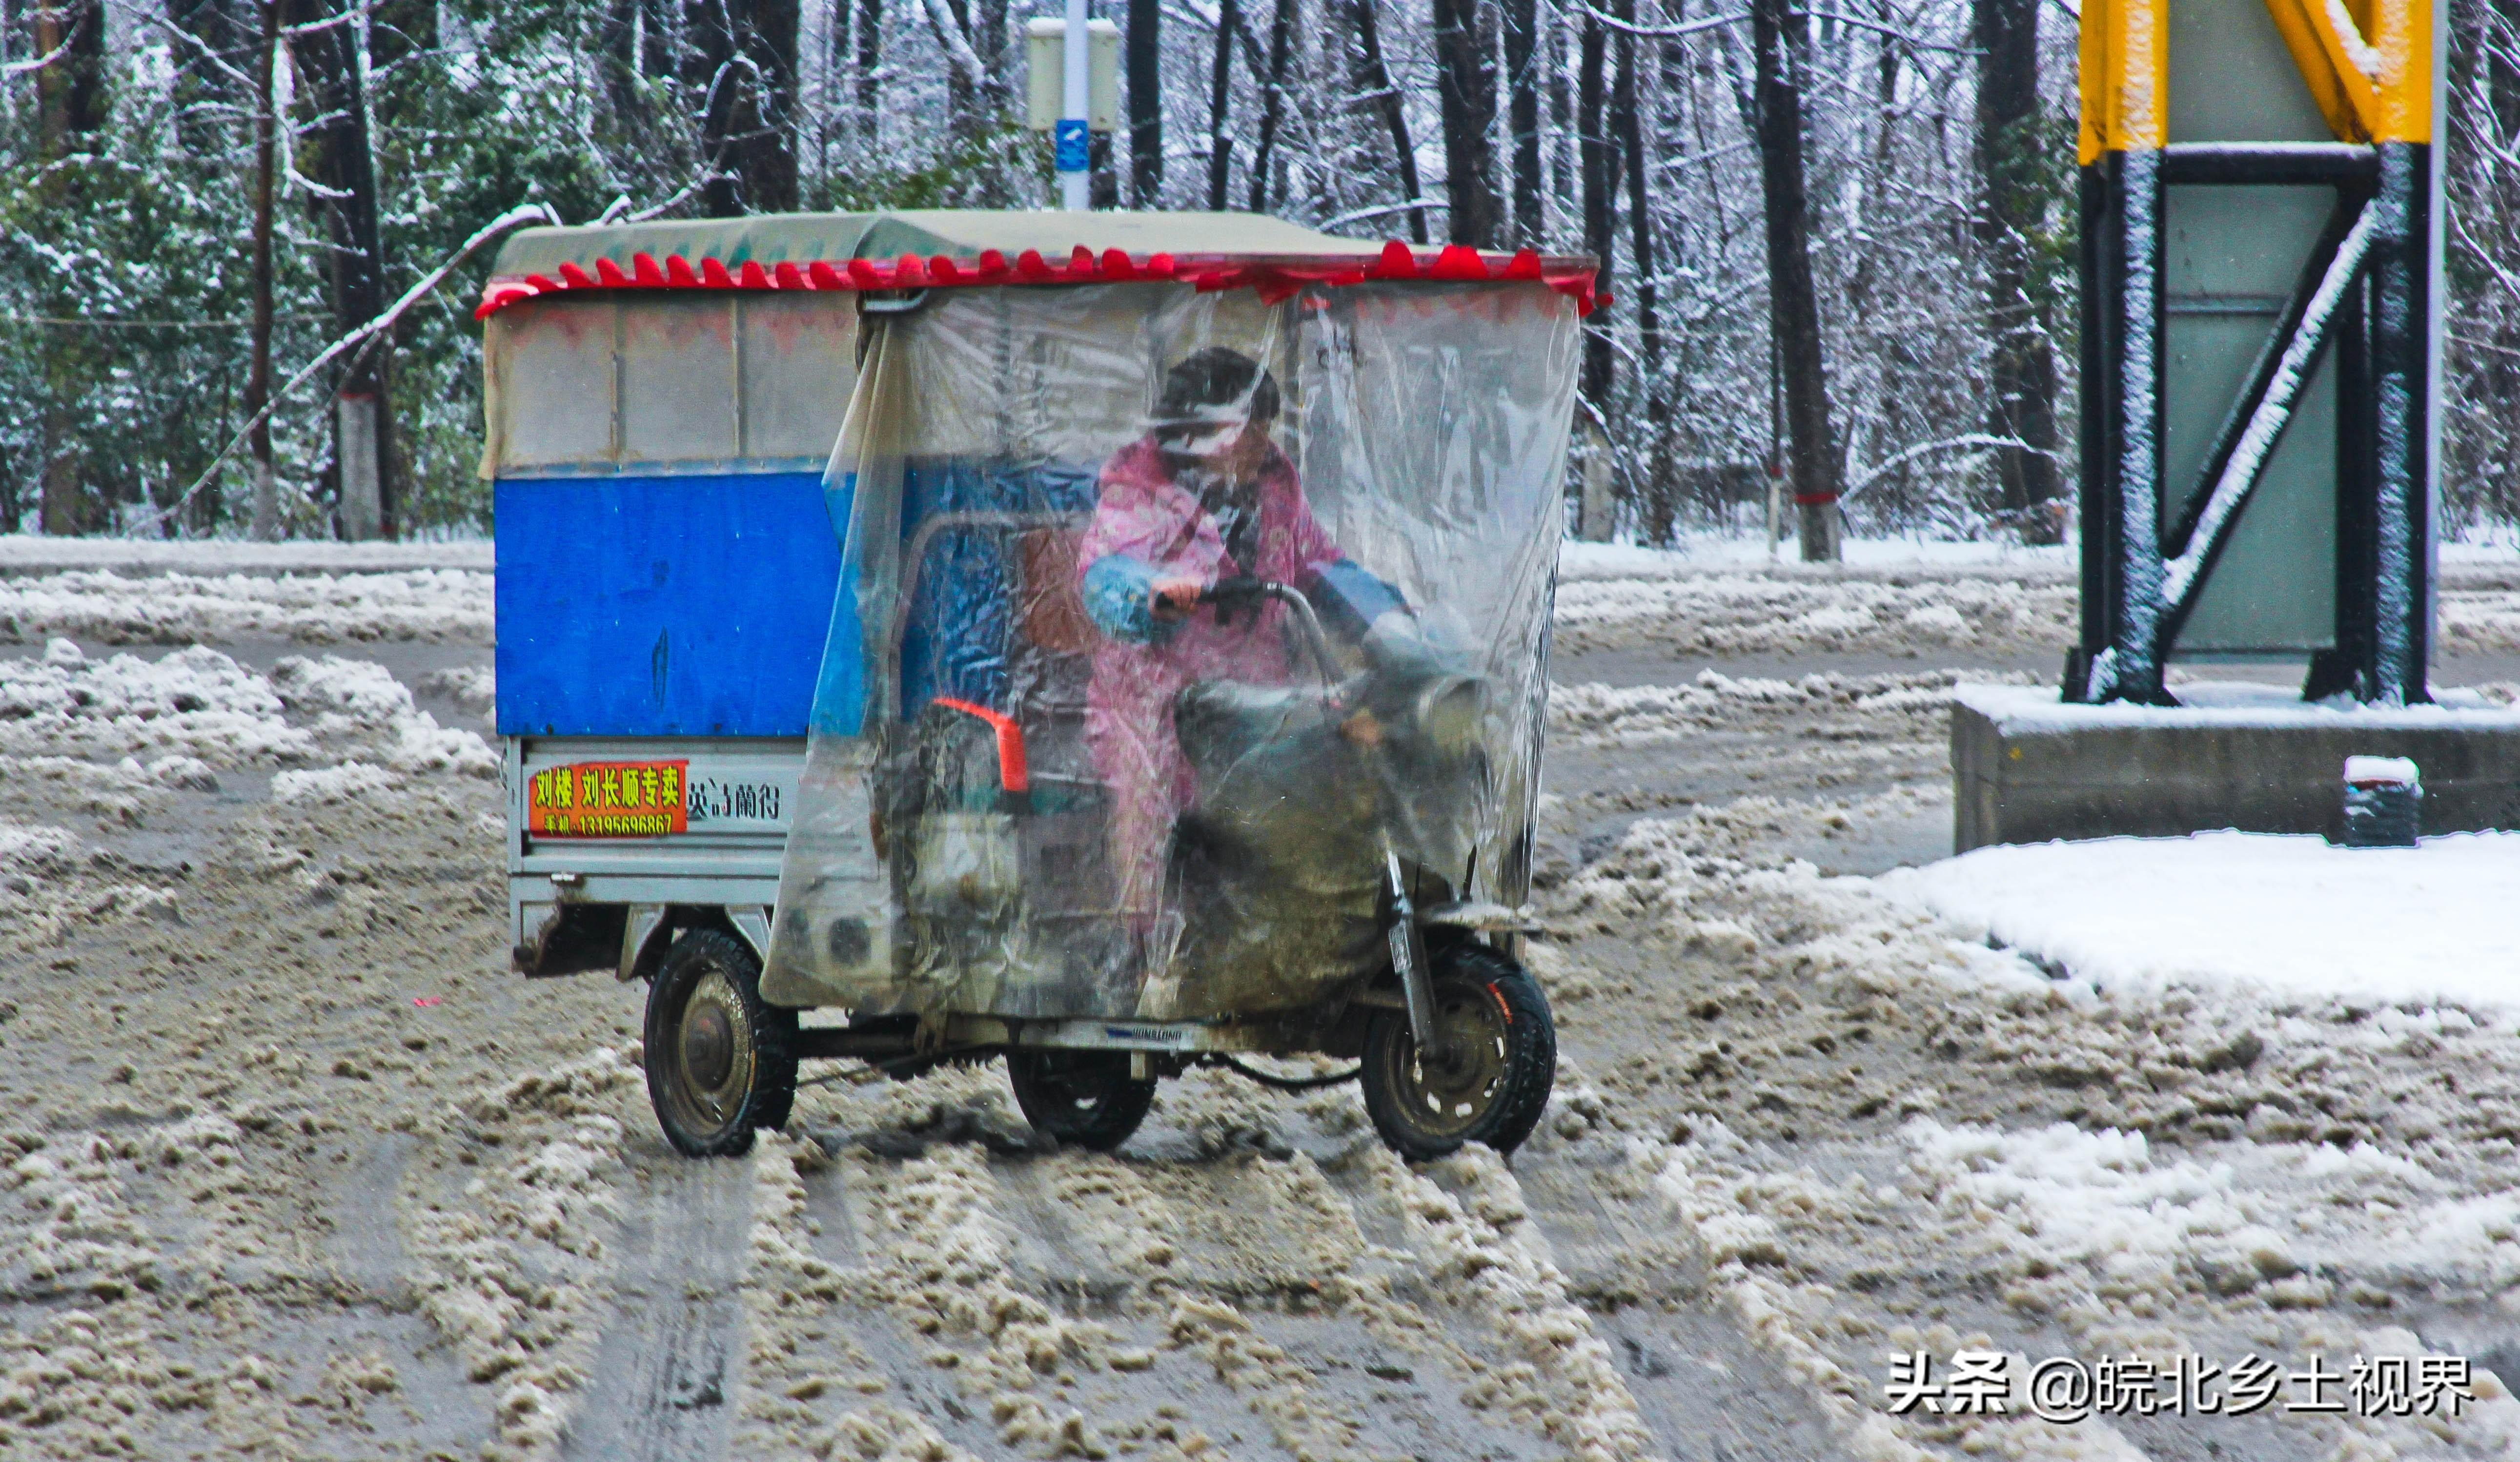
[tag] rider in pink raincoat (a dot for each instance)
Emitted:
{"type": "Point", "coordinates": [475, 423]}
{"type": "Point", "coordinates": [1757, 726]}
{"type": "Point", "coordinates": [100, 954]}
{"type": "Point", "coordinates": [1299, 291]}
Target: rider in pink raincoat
{"type": "Point", "coordinates": [1206, 495]}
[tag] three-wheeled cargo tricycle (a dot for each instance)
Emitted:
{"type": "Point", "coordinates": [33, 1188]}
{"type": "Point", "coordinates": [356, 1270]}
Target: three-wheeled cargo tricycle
{"type": "Point", "coordinates": [1152, 675]}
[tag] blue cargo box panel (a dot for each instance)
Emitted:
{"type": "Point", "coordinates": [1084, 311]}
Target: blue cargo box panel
{"type": "Point", "coordinates": [662, 605]}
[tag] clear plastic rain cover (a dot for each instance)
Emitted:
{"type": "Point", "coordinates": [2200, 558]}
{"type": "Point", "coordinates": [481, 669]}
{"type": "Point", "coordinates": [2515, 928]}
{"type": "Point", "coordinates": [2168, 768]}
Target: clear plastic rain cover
{"type": "Point", "coordinates": [1178, 620]}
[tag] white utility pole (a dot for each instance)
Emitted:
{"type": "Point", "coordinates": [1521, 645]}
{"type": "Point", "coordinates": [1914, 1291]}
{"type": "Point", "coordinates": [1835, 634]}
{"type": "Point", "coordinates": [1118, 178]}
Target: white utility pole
{"type": "Point", "coordinates": [1074, 140]}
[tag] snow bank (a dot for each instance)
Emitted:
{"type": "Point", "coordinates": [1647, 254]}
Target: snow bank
{"type": "Point", "coordinates": [22, 845]}
{"type": "Point", "coordinates": [2291, 914]}
{"type": "Point", "coordinates": [1596, 714]}
{"type": "Point", "coordinates": [195, 702]}
{"type": "Point", "coordinates": [1694, 555]}
{"type": "Point", "coordinates": [2103, 1197]}
{"type": "Point", "coordinates": [347, 782]}
{"type": "Point", "coordinates": [198, 709]}
{"type": "Point", "coordinates": [174, 609]}
{"type": "Point", "coordinates": [23, 551]}
{"type": "Point", "coordinates": [1745, 614]}
{"type": "Point", "coordinates": [358, 697]}
{"type": "Point", "coordinates": [474, 688]}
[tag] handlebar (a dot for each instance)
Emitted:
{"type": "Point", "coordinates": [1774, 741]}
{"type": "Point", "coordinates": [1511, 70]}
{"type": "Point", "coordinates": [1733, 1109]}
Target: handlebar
{"type": "Point", "coordinates": [1241, 592]}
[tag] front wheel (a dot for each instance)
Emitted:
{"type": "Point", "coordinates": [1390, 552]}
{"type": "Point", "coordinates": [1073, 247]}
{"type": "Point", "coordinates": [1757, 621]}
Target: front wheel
{"type": "Point", "coordinates": [720, 1061]}
{"type": "Point", "coordinates": [1082, 1098]}
{"type": "Point", "coordinates": [1494, 1081]}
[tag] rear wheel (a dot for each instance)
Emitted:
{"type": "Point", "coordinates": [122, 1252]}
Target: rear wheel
{"type": "Point", "coordinates": [720, 1061]}
{"type": "Point", "coordinates": [1491, 1085]}
{"type": "Point", "coordinates": [1083, 1097]}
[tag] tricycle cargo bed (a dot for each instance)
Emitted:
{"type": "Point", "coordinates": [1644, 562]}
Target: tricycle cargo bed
{"type": "Point", "coordinates": [606, 832]}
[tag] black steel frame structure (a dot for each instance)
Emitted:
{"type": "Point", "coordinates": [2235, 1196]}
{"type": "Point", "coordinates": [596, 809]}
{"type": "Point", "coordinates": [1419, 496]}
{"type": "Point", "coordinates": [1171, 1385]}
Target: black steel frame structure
{"type": "Point", "coordinates": [2364, 294]}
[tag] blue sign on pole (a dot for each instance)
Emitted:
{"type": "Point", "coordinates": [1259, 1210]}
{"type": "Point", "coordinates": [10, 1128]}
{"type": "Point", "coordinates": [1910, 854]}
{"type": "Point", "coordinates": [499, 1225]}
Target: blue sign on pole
{"type": "Point", "coordinates": [1072, 145]}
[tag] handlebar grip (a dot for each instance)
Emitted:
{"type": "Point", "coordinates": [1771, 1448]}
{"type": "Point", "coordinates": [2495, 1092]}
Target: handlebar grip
{"type": "Point", "coordinates": [1241, 593]}
{"type": "Point", "coordinates": [1240, 589]}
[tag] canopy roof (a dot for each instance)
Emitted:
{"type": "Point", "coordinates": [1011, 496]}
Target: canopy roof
{"type": "Point", "coordinates": [942, 248]}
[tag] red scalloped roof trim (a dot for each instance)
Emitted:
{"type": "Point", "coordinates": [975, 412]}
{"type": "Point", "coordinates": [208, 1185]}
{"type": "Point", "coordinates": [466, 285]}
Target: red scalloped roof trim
{"type": "Point", "coordinates": [1274, 279]}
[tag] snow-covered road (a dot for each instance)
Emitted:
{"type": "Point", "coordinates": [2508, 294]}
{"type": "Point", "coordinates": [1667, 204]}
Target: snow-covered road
{"type": "Point", "coordinates": [291, 1166]}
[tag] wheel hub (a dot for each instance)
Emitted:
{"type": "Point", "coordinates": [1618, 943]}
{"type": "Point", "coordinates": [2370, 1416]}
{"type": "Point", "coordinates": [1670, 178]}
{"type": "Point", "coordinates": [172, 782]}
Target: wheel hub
{"type": "Point", "coordinates": [712, 1047]}
{"type": "Point", "coordinates": [1450, 1091]}
{"type": "Point", "coordinates": [708, 1046]}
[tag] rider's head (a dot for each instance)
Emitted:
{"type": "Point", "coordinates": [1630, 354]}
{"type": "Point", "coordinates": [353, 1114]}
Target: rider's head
{"type": "Point", "coordinates": [1216, 411]}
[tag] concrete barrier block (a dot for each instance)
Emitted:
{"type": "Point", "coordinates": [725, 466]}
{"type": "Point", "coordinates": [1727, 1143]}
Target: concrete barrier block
{"type": "Point", "coordinates": [2027, 768]}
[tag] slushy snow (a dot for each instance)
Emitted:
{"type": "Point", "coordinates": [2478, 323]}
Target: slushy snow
{"type": "Point", "coordinates": [198, 709]}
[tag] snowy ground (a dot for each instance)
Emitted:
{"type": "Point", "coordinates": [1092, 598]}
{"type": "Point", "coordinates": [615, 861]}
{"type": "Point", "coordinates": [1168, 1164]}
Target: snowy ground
{"type": "Point", "coordinates": [2286, 914]}
{"type": "Point", "coordinates": [291, 1166]}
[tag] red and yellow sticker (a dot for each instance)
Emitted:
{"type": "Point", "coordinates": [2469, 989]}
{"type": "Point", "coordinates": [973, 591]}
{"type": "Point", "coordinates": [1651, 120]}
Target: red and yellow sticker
{"type": "Point", "coordinates": [607, 800]}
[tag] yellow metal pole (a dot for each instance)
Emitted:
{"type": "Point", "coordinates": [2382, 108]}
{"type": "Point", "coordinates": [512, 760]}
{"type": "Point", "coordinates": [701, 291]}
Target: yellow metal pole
{"type": "Point", "coordinates": [2370, 74]}
{"type": "Point", "coordinates": [2125, 76]}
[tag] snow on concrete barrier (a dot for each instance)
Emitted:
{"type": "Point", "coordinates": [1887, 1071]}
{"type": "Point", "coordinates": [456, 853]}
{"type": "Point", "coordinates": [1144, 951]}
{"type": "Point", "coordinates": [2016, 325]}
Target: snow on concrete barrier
{"type": "Point", "coordinates": [2292, 915]}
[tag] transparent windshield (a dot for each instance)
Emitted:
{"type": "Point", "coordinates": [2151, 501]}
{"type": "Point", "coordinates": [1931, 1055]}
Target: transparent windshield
{"type": "Point", "coordinates": [1170, 622]}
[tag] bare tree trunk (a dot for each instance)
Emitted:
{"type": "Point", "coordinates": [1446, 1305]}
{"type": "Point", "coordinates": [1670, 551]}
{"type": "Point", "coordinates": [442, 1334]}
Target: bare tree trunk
{"type": "Point", "coordinates": [1145, 102]}
{"type": "Point", "coordinates": [1655, 500]}
{"type": "Point", "coordinates": [961, 91]}
{"type": "Point", "coordinates": [989, 43]}
{"type": "Point", "coordinates": [1465, 85]}
{"type": "Point", "coordinates": [2503, 75]}
{"type": "Point", "coordinates": [340, 157]}
{"type": "Point", "coordinates": [1671, 92]}
{"type": "Point", "coordinates": [71, 88]}
{"type": "Point", "coordinates": [1564, 174]}
{"type": "Point", "coordinates": [1220, 91]}
{"type": "Point", "coordinates": [1282, 27]}
{"type": "Point", "coordinates": [869, 70]}
{"type": "Point", "coordinates": [657, 39]}
{"type": "Point", "coordinates": [1778, 36]}
{"type": "Point", "coordinates": [1374, 77]}
{"type": "Point", "coordinates": [257, 380]}
{"type": "Point", "coordinates": [2023, 368]}
{"type": "Point", "coordinates": [1103, 184]}
{"type": "Point", "coordinates": [1522, 61]}
{"type": "Point", "coordinates": [71, 106]}
{"type": "Point", "coordinates": [742, 63]}
{"type": "Point", "coordinates": [402, 50]}
{"type": "Point", "coordinates": [618, 41]}
{"type": "Point", "coordinates": [1600, 241]}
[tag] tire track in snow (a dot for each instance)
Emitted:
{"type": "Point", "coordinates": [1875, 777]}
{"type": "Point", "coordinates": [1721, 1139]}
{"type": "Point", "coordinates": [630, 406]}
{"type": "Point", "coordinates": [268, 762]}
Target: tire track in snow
{"type": "Point", "coordinates": [816, 1336]}
{"type": "Point", "coordinates": [1552, 1372]}
{"type": "Point", "coordinates": [1190, 1271]}
{"type": "Point", "coordinates": [672, 1346]}
{"type": "Point", "coordinates": [1696, 1376]}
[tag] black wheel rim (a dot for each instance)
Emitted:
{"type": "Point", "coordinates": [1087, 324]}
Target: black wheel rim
{"type": "Point", "coordinates": [1445, 1098]}
{"type": "Point", "coordinates": [710, 1055]}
